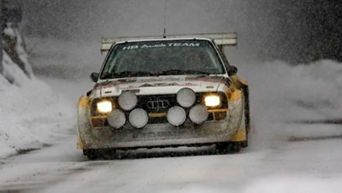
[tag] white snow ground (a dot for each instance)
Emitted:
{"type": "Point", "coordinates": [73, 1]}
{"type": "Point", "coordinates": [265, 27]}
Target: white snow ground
{"type": "Point", "coordinates": [292, 149]}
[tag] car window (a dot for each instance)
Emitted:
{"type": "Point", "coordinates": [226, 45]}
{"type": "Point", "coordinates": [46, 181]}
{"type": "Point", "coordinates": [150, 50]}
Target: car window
{"type": "Point", "coordinates": [158, 57]}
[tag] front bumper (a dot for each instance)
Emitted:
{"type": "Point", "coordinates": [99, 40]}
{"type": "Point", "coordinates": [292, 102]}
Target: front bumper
{"type": "Point", "coordinates": [159, 135]}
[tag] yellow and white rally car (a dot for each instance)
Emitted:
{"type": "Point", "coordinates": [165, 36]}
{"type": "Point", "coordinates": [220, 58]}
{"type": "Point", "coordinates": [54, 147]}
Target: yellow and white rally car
{"type": "Point", "coordinates": [166, 91]}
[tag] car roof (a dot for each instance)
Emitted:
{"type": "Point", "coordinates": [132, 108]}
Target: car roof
{"type": "Point", "coordinates": [163, 39]}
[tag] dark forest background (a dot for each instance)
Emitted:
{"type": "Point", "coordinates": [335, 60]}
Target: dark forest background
{"type": "Point", "coordinates": [290, 30]}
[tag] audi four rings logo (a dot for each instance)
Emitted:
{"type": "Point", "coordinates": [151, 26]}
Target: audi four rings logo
{"type": "Point", "coordinates": [158, 103]}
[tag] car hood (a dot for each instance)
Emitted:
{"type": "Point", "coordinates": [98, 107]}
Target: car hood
{"type": "Point", "coordinates": [161, 85]}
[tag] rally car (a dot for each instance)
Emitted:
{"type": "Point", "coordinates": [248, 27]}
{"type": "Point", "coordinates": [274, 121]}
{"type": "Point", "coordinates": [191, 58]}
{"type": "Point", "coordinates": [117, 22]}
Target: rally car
{"type": "Point", "coordinates": [167, 91]}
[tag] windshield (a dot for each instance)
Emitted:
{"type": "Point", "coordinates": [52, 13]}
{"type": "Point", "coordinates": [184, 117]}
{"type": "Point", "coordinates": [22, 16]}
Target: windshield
{"type": "Point", "coordinates": [167, 57]}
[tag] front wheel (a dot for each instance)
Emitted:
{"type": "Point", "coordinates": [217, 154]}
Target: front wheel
{"type": "Point", "coordinates": [93, 154]}
{"type": "Point", "coordinates": [229, 147]}
{"type": "Point", "coordinates": [90, 153]}
{"type": "Point", "coordinates": [244, 144]}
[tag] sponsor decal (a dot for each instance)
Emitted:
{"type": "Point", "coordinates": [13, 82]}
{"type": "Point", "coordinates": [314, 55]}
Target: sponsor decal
{"type": "Point", "coordinates": [162, 45]}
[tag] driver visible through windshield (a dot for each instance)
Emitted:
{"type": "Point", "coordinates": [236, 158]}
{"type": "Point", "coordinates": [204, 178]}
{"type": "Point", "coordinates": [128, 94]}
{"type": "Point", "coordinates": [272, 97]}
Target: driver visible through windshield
{"type": "Point", "coordinates": [166, 57]}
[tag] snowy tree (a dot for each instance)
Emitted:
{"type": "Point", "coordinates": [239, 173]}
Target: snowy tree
{"type": "Point", "coordinates": [14, 56]}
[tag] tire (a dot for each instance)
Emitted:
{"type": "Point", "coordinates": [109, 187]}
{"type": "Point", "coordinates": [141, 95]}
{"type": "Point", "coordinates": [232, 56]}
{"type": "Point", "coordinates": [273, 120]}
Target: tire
{"type": "Point", "coordinates": [94, 154]}
{"type": "Point", "coordinates": [244, 144]}
{"type": "Point", "coordinates": [91, 154]}
{"type": "Point", "coordinates": [247, 109]}
{"type": "Point", "coordinates": [228, 147]}
{"type": "Point", "coordinates": [246, 115]}
{"type": "Point", "coordinates": [107, 154]}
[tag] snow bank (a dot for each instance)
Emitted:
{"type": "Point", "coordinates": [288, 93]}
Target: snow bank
{"type": "Point", "coordinates": [12, 72]}
{"type": "Point", "coordinates": [284, 97]}
{"type": "Point", "coordinates": [31, 113]}
{"type": "Point", "coordinates": [13, 32]}
{"type": "Point", "coordinates": [321, 87]}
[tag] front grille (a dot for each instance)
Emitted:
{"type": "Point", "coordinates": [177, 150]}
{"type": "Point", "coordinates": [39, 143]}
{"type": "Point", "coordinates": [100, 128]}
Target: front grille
{"type": "Point", "coordinates": [153, 120]}
{"type": "Point", "coordinates": [156, 103]}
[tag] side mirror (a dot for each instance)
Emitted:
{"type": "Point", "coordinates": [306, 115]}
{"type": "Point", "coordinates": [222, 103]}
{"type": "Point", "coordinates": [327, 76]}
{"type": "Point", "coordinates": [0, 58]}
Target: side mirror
{"type": "Point", "coordinates": [232, 70]}
{"type": "Point", "coordinates": [94, 76]}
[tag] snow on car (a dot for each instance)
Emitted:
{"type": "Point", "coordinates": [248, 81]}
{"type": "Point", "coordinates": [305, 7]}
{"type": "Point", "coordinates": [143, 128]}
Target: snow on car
{"type": "Point", "coordinates": [164, 92]}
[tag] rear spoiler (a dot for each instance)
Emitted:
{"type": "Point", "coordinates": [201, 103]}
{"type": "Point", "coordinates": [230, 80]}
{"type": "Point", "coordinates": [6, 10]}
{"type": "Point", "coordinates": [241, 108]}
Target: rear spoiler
{"type": "Point", "coordinates": [220, 39]}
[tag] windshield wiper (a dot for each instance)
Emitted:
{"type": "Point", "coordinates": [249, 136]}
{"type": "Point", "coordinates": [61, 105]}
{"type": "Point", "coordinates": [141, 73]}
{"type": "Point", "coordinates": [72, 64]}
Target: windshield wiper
{"type": "Point", "coordinates": [126, 74]}
{"type": "Point", "coordinates": [131, 74]}
{"type": "Point", "coordinates": [143, 73]}
{"type": "Point", "coordinates": [182, 72]}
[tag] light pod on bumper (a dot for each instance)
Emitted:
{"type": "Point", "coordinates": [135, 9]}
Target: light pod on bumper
{"type": "Point", "coordinates": [198, 114]}
{"type": "Point", "coordinates": [186, 97]}
{"type": "Point", "coordinates": [176, 116]}
{"type": "Point", "coordinates": [127, 100]}
{"type": "Point", "coordinates": [138, 118]}
{"type": "Point", "coordinates": [116, 118]}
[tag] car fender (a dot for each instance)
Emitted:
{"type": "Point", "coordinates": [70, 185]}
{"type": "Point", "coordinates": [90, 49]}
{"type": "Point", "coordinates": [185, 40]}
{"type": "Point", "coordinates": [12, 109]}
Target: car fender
{"type": "Point", "coordinates": [82, 120]}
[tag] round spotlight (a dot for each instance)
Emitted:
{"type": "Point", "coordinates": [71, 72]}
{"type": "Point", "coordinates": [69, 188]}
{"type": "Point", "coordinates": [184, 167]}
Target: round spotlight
{"type": "Point", "coordinates": [176, 116]}
{"type": "Point", "coordinates": [186, 97]}
{"type": "Point", "coordinates": [116, 118]}
{"type": "Point", "coordinates": [138, 118]}
{"type": "Point", "coordinates": [127, 100]}
{"type": "Point", "coordinates": [198, 114]}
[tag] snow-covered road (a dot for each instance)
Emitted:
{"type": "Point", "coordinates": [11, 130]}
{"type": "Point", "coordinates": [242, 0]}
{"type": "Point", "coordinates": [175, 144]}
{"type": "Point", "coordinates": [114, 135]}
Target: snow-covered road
{"type": "Point", "coordinates": [301, 166]}
{"type": "Point", "coordinates": [285, 155]}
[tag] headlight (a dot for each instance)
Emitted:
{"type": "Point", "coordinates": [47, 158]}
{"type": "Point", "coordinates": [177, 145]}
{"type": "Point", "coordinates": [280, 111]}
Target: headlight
{"type": "Point", "coordinates": [104, 106]}
{"type": "Point", "coordinates": [212, 101]}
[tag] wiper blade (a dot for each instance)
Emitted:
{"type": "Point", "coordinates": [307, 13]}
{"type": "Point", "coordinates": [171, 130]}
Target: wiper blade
{"type": "Point", "coordinates": [133, 74]}
{"type": "Point", "coordinates": [126, 74]}
{"type": "Point", "coordinates": [172, 71]}
{"type": "Point", "coordinates": [177, 71]}
{"type": "Point", "coordinates": [197, 72]}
